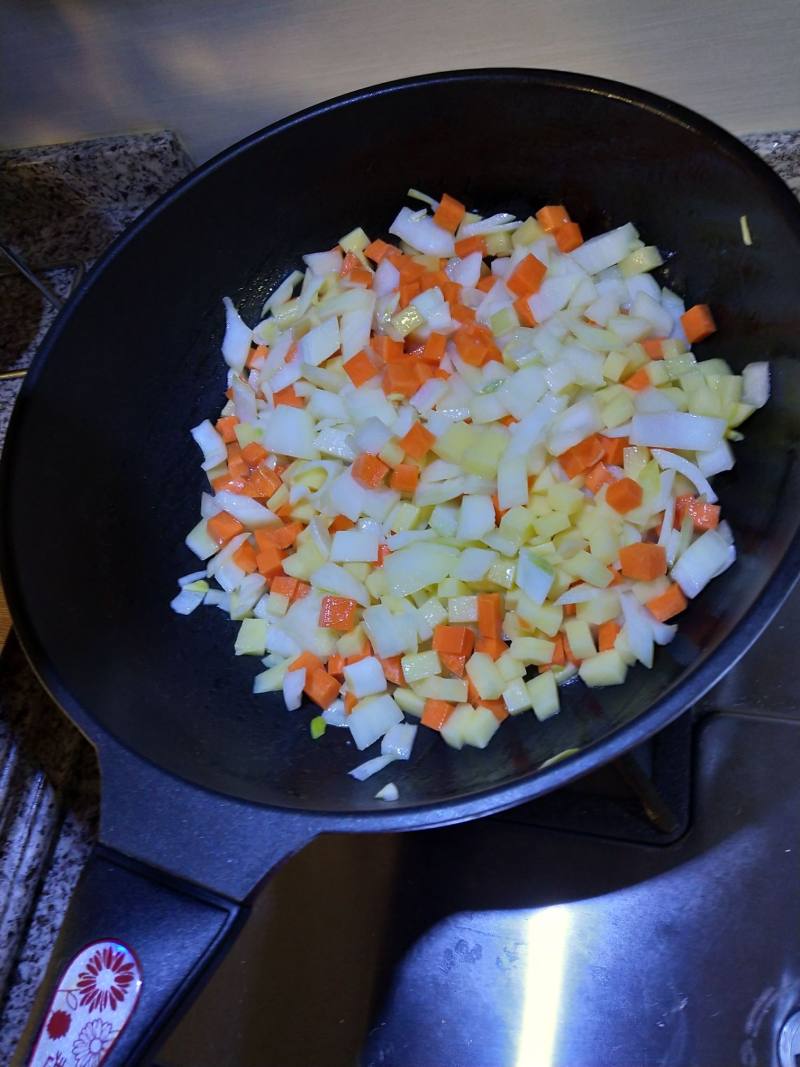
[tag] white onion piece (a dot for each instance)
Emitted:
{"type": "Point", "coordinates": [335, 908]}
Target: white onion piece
{"type": "Point", "coordinates": [335, 579]}
{"type": "Point", "coordinates": [372, 718]}
{"type": "Point", "coordinates": [690, 433]}
{"type": "Point", "coordinates": [420, 231]}
{"type": "Point", "coordinates": [281, 294]}
{"type": "Point", "coordinates": [289, 432]}
{"type": "Point", "coordinates": [236, 342]}
{"type": "Point", "coordinates": [428, 395]}
{"type": "Point", "coordinates": [716, 461]}
{"type": "Point", "coordinates": [606, 250]}
{"type": "Point", "coordinates": [466, 271]}
{"type": "Point", "coordinates": [645, 307]}
{"type": "Point", "coordinates": [244, 401]}
{"type": "Point", "coordinates": [247, 510]}
{"type": "Point", "coordinates": [499, 223]}
{"type": "Point", "coordinates": [321, 342]}
{"type": "Point", "coordinates": [398, 742]}
{"type": "Point", "coordinates": [669, 461]}
{"type": "Point", "coordinates": [389, 793]}
{"type": "Point", "coordinates": [704, 559]}
{"type": "Point", "coordinates": [755, 384]}
{"type": "Point", "coordinates": [580, 594]}
{"type": "Point", "coordinates": [323, 263]}
{"type": "Point", "coordinates": [293, 683]}
{"type": "Point", "coordinates": [187, 600]}
{"type": "Point", "coordinates": [619, 431]}
{"type": "Point", "coordinates": [355, 546]}
{"type": "Point", "coordinates": [638, 628]}
{"type": "Point", "coordinates": [335, 714]}
{"type": "Point", "coordinates": [211, 445]}
{"type": "Point", "coordinates": [371, 766]}
{"type": "Point", "coordinates": [355, 330]}
{"type": "Point", "coordinates": [386, 278]}
{"type": "Point", "coordinates": [666, 526]}
{"type": "Point", "coordinates": [372, 435]}
{"type": "Point", "coordinates": [573, 425]}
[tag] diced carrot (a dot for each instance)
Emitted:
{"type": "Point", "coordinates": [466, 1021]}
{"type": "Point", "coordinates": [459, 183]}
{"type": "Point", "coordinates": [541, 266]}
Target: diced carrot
{"type": "Point", "coordinates": [238, 466]}
{"type": "Point", "coordinates": [559, 653]}
{"type": "Point", "coordinates": [568, 237]}
{"type": "Point", "coordinates": [359, 368]}
{"type": "Point", "coordinates": [449, 213]}
{"type": "Point", "coordinates": [383, 552]}
{"type": "Point", "coordinates": [457, 640]}
{"type": "Point", "coordinates": [643, 562]}
{"type": "Point", "coordinates": [492, 646]}
{"type": "Point", "coordinates": [486, 283]}
{"type": "Point", "coordinates": [245, 557]}
{"type": "Point", "coordinates": [639, 380]}
{"type": "Point", "coordinates": [369, 471]}
{"type": "Point", "coordinates": [417, 441]}
{"type": "Point", "coordinates": [405, 477]}
{"type": "Point", "coordinates": [552, 217]}
{"type": "Point", "coordinates": [401, 378]}
{"type": "Point", "coordinates": [467, 245]}
{"type": "Point", "coordinates": [607, 635]}
{"type": "Point", "coordinates": [582, 456]}
{"type": "Point", "coordinates": [254, 453]}
{"type": "Point", "coordinates": [527, 277]}
{"type": "Point", "coordinates": [433, 278]}
{"type": "Point", "coordinates": [614, 450]}
{"type": "Point", "coordinates": [283, 585]}
{"type": "Point", "coordinates": [570, 610]}
{"type": "Point", "coordinates": [507, 420]}
{"type": "Point", "coordinates": [376, 250]}
{"type": "Point", "coordinates": [284, 512]}
{"type": "Point", "coordinates": [698, 323]}
{"type": "Point", "coordinates": [389, 350]}
{"type": "Point", "coordinates": [337, 613]}
{"type": "Point", "coordinates": [474, 344]}
{"type": "Point", "coordinates": [335, 665]}
{"type": "Point", "coordinates": [410, 270]}
{"type": "Point", "coordinates": [442, 374]}
{"type": "Point", "coordinates": [598, 476]}
{"type": "Point", "coordinates": [350, 262]}
{"type": "Point", "coordinates": [423, 371]}
{"type": "Point", "coordinates": [669, 603]}
{"type": "Point", "coordinates": [231, 485]}
{"type": "Point", "coordinates": [524, 312]}
{"type": "Point", "coordinates": [461, 313]}
{"type": "Point", "coordinates": [360, 276]}
{"type": "Point", "coordinates": [616, 577]}
{"type": "Point", "coordinates": [451, 291]}
{"type": "Point", "coordinates": [498, 511]}
{"type": "Point", "coordinates": [341, 522]}
{"type": "Point", "coordinates": [306, 661]}
{"type": "Point", "coordinates": [269, 561]}
{"type": "Point", "coordinates": [256, 356]}
{"type": "Point", "coordinates": [280, 536]}
{"type": "Point", "coordinates": [625, 495]}
{"type": "Point", "coordinates": [226, 428]}
{"type": "Point", "coordinates": [350, 702]}
{"type": "Point", "coordinates": [289, 398]}
{"type": "Point", "coordinates": [434, 348]}
{"type": "Point", "coordinates": [455, 664]}
{"type": "Point", "coordinates": [261, 483]}
{"type": "Point", "coordinates": [653, 346]}
{"type": "Point", "coordinates": [393, 670]}
{"type": "Point", "coordinates": [223, 526]}
{"type": "Point", "coordinates": [490, 614]}
{"type": "Point", "coordinates": [303, 589]}
{"type": "Point", "coordinates": [704, 516]}
{"type": "Point", "coordinates": [321, 687]}
{"type": "Point", "coordinates": [408, 291]}
{"type": "Point", "coordinates": [436, 713]}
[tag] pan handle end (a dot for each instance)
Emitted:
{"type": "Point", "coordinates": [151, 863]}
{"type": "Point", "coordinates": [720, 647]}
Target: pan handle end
{"type": "Point", "coordinates": [133, 946]}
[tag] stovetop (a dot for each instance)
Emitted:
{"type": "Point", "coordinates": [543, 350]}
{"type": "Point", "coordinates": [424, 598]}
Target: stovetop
{"type": "Point", "coordinates": [509, 942]}
{"type": "Point", "coordinates": [646, 915]}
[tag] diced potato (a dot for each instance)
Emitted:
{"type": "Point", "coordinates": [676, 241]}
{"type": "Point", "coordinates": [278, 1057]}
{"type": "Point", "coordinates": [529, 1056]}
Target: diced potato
{"type": "Point", "coordinates": [452, 444]}
{"type": "Point", "coordinates": [444, 519]}
{"type": "Point", "coordinates": [602, 609]}
{"type": "Point", "coordinates": [485, 676]}
{"type": "Point", "coordinates": [606, 668]}
{"type": "Point", "coordinates": [532, 650]}
{"type": "Point", "coordinates": [604, 543]}
{"type": "Point", "coordinates": [543, 695]}
{"type": "Point", "coordinates": [434, 612]}
{"type": "Point", "coordinates": [277, 604]}
{"type": "Point", "coordinates": [618, 412]}
{"type": "Point", "coordinates": [403, 516]}
{"type": "Point", "coordinates": [516, 697]}
{"type": "Point", "coordinates": [480, 727]}
{"type": "Point", "coordinates": [615, 366]}
{"type": "Point", "coordinates": [303, 563]}
{"type": "Point", "coordinates": [580, 638]}
{"type": "Point", "coordinates": [350, 644]}
{"type": "Point", "coordinates": [566, 498]}
{"type": "Point", "coordinates": [252, 638]}
{"type": "Point", "coordinates": [544, 617]}
{"type": "Point", "coordinates": [452, 587]}
{"type": "Point", "coordinates": [644, 591]}
{"type": "Point", "coordinates": [453, 690]}
{"type": "Point", "coordinates": [420, 665]}
{"type": "Point", "coordinates": [527, 233]}
{"type": "Point", "coordinates": [484, 451]}
{"type": "Point", "coordinates": [591, 570]}
{"type": "Point", "coordinates": [453, 730]}
{"type": "Point", "coordinates": [510, 667]}
{"type": "Point", "coordinates": [376, 583]}
{"type": "Point", "coordinates": [409, 701]}
{"type": "Point", "coordinates": [392, 454]}
{"type": "Point", "coordinates": [549, 525]}
{"type": "Point", "coordinates": [271, 681]}
{"type": "Point", "coordinates": [462, 609]}
{"type": "Point", "coordinates": [502, 573]}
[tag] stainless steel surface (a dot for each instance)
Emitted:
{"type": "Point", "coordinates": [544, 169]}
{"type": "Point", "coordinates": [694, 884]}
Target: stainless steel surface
{"type": "Point", "coordinates": [497, 944]}
{"type": "Point", "coordinates": [789, 1042]}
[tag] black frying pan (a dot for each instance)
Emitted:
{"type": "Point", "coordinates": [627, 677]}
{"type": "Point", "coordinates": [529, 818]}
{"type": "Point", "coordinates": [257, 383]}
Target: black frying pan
{"type": "Point", "coordinates": [205, 787]}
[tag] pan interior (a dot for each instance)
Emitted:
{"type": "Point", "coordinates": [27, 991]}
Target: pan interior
{"type": "Point", "coordinates": [103, 480]}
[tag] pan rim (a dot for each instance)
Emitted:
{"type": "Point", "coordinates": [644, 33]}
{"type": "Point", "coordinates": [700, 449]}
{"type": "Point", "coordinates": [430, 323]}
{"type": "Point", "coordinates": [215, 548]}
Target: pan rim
{"type": "Point", "coordinates": [622, 738]}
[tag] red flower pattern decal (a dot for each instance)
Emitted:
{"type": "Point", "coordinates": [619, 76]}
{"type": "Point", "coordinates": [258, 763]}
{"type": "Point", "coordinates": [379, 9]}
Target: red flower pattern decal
{"type": "Point", "coordinates": [104, 983]}
{"type": "Point", "coordinates": [58, 1024]}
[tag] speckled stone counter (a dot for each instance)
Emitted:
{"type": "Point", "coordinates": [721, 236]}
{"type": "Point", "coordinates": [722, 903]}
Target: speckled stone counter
{"type": "Point", "coordinates": [60, 206]}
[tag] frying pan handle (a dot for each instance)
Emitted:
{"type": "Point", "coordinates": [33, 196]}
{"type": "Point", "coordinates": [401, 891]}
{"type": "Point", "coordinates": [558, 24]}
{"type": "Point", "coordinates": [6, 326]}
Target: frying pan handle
{"type": "Point", "coordinates": [132, 947]}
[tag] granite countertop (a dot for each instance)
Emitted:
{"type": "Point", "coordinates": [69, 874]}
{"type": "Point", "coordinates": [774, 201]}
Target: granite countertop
{"type": "Point", "coordinates": [60, 206]}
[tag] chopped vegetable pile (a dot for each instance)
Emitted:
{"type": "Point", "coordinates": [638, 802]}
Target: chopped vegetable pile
{"type": "Point", "coordinates": [455, 470]}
